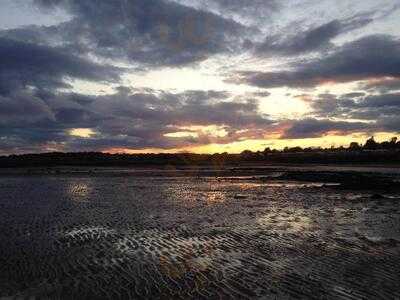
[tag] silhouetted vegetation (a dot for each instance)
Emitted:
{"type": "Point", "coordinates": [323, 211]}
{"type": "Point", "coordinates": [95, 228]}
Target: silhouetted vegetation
{"type": "Point", "coordinates": [370, 152]}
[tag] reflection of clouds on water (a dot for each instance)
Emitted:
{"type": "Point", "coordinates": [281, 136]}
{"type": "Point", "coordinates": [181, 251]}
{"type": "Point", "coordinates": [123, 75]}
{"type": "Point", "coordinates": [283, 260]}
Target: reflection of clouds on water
{"type": "Point", "coordinates": [186, 195]}
{"type": "Point", "coordinates": [79, 189]}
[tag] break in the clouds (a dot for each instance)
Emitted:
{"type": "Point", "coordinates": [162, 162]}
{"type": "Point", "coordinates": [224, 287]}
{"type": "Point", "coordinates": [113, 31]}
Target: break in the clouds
{"type": "Point", "coordinates": [91, 75]}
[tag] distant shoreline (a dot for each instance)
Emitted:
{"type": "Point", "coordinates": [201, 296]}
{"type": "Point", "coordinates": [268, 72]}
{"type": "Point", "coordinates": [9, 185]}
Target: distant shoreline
{"type": "Point", "coordinates": [378, 157]}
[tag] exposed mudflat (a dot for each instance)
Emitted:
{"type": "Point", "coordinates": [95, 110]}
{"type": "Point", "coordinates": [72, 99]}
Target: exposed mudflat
{"type": "Point", "coordinates": [133, 237]}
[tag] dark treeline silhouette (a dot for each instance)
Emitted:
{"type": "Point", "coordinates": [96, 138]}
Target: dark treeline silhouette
{"type": "Point", "coordinates": [370, 152]}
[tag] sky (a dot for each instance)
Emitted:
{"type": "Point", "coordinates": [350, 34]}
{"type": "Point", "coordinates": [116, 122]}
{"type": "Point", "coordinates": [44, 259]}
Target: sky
{"type": "Point", "coordinates": [199, 76]}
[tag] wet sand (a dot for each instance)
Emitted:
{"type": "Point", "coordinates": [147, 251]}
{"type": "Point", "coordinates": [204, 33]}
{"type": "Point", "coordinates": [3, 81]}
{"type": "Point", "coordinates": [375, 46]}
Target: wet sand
{"type": "Point", "coordinates": [144, 237]}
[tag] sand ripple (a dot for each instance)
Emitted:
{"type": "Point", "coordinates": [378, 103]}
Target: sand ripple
{"type": "Point", "coordinates": [188, 238]}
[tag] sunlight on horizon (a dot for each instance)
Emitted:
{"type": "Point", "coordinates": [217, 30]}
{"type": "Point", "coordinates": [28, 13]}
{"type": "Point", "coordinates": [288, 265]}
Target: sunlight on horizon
{"type": "Point", "coordinates": [260, 145]}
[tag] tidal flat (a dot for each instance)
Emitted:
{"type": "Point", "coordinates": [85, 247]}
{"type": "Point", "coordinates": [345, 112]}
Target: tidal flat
{"type": "Point", "coordinates": [239, 234]}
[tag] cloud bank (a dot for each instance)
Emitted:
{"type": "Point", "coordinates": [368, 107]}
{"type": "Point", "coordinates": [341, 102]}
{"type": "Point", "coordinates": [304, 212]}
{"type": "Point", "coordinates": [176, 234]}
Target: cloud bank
{"type": "Point", "coordinates": [257, 50]}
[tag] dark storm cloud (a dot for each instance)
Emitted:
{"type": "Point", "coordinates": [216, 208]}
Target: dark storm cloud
{"type": "Point", "coordinates": [124, 119]}
{"type": "Point", "coordinates": [313, 128]}
{"type": "Point", "coordinates": [153, 32]}
{"type": "Point", "coordinates": [390, 123]}
{"type": "Point", "coordinates": [36, 61]}
{"type": "Point", "coordinates": [311, 39]}
{"type": "Point", "coordinates": [185, 109]}
{"type": "Point", "coordinates": [373, 56]}
{"type": "Point", "coordinates": [330, 105]}
{"type": "Point", "coordinates": [23, 108]}
{"type": "Point", "coordinates": [379, 101]}
{"type": "Point", "coordinates": [381, 111]}
{"type": "Point", "coordinates": [350, 104]}
{"type": "Point", "coordinates": [354, 95]}
{"type": "Point", "coordinates": [382, 85]}
{"type": "Point", "coordinates": [25, 64]}
{"type": "Point", "coordinates": [377, 107]}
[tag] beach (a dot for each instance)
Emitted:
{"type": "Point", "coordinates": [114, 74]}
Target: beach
{"type": "Point", "coordinates": [259, 235]}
